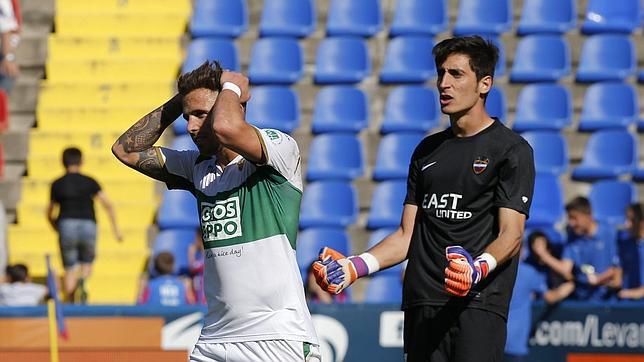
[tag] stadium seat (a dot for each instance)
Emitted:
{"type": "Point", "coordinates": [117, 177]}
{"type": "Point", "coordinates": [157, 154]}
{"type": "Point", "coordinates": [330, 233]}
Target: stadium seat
{"type": "Point", "coordinates": [550, 151]}
{"type": "Point", "coordinates": [328, 204]}
{"type": "Point", "coordinates": [183, 142]}
{"type": "Point", "coordinates": [335, 156]}
{"type": "Point", "coordinates": [276, 61]}
{"type": "Point", "coordinates": [342, 60]}
{"type": "Point", "coordinates": [419, 17]}
{"type": "Point", "coordinates": [547, 203]}
{"type": "Point", "coordinates": [407, 60]}
{"type": "Point", "coordinates": [553, 235]}
{"type": "Point", "coordinates": [227, 18]}
{"type": "Point", "coordinates": [609, 105]}
{"type": "Point", "coordinates": [544, 106]}
{"type": "Point", "coordinates": [638, 175]}
{"type": "Point", "coordinates": [496, 104]}
{"type": "Point", "coordinates": [74, 47]}
{"type": "Point", "coordinates": [606, 57]}
{"type": "Point", "coordinates": [112, 24]}
{"type": "Point", "coordinates": [394, 155]}
{"type": "Point", "coordinates": [547, 16]}
{"type": "Point", "coordinates": [340, 109]}
{"type": "Point", "coordinates": [295, 18]}
{"type": "Point", "coordinates": [178, 210]}
{"type": "Point", "coordinates": [221, 49]}
{"type": "Point", "coordinates": [356, 17]}
{"type": "Point", "coordinates": [611, 16]}
{"type": "Point", "coordinates": [608, 154]}
{"type": "Point", "coordinates": [310, 241]}
{"type": "Point", "coordinates": [377, 235]}
{"type": "Point", "coordinates": [176, 242]}
{"type": "Point", "coordinates": [274, 107]}
{"type": "Point", "coordinates": [411, 109]}
{"type": "Point", "coordinates": [387, 204]}
{"type": "Point", "coordinates": [180, 126]}
{"type": "Point", "coordinates": [531, 66]}
{"type": "Point", "coordinates": [384, 289]}
{"type": "Point", "coordinates": [609, 199]}
{"type": "Point", "coordinates": [483, 17]}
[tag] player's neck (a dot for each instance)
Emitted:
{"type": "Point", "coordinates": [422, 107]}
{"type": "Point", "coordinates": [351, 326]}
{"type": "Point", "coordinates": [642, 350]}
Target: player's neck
{"type": "Point", "coordinates": [470, 122]}
{"type": "Point", "coordinates": [224, 156]}
{"type": "Point", "coordinates": [73, 169]}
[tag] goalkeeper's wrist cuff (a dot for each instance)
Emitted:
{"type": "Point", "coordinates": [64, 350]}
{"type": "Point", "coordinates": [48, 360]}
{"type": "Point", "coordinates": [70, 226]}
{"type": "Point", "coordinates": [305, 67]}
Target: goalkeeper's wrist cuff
{"type": "Point", "coordinates": [489, 260]}
{"type": "Point", "coordinates": [365, 264]}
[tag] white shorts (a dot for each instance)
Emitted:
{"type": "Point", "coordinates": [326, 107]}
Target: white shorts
{"type": "Point", "coordinates": [278, 350]}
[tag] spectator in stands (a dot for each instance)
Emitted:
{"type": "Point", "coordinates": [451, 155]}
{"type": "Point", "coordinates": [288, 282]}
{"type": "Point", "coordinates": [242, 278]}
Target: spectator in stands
{"type": "Point", "coordinates": [315, 294]}
{"type": "Point", "coordinates": [8, 42]}
{"type": "Point", "coordinates": [542, 257]}
{"type": "Point", "coordinates": [631, 253]}
{"type": "Point", "coordinates": [196, 265]}
{"type": "Point", "coordinates": [531, 283]}
{"type": "Point", "coordinates": [19, 291]}
{"type": "Point", "coordinates": [166, 289]}
{"type": "Point", "coordinates": [591, 253]}
{"type": "Point", "coordinates": [74, 194]}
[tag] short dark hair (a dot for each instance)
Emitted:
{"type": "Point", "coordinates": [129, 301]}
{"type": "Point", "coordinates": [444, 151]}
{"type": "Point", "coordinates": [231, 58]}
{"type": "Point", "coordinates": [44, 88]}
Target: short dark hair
{"type": "Point", "coordinates": [579, 204]}
{"type": "Point", "coordinates": [164, 263]}
{"type": "Point", "coordinates": [483, 54]}
{"type": "Point", "coordinates": [207, 75]}
{"type": "Point", "coordinates": [534, 236]}
{"type": "Point", "coordinates": [17, 273]}
{"type": "Point", "coordinates": [72, 156]}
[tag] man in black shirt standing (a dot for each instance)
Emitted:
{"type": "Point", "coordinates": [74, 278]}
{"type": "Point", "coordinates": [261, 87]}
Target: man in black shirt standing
{"type": "Point", "coordinates": [74, 194]}
{"type": "Point", "coordinates": [469, 191]}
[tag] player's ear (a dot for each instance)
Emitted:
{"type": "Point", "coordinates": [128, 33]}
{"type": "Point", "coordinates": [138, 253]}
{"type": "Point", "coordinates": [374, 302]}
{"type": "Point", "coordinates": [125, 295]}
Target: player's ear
{"type": "Point", "coordinates": [485, 84]}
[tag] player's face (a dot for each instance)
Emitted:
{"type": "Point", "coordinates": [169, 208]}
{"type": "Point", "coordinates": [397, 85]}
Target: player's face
{"type": "Point", "coordinates": [196, 107]}
{"type": "Point", "coordinates": [579, 222]}
{"type": "Point", "coordinates": [458, 88]}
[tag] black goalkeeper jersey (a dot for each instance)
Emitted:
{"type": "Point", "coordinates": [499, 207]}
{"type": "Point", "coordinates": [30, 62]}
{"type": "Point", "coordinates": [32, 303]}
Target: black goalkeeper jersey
{"type": "Point", "coordinates": [459, 184]}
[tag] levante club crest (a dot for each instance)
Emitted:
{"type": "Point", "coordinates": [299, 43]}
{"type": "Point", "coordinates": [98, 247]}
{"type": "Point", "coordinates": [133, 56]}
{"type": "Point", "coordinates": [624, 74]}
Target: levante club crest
{"type": "Point", "coordinates": [480, 164]}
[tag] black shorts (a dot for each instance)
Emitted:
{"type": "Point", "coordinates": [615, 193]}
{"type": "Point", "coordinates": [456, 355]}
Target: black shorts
{"type": "Point", "coordinates": [453, 333]}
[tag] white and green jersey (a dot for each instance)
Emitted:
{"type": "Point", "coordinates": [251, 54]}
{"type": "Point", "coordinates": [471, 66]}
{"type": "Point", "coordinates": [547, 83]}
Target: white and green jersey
{"type": "Point", "coordinates": [249, 220]}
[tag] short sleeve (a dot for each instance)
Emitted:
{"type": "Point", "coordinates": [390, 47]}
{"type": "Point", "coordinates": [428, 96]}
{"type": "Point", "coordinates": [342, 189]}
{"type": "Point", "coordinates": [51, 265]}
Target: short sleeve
{"type": "Point", "coordinates": [95, 187]}
{"type": "Point", "coordinates": [8, 20]}
{"type": "Point", "coordinates": [282, 154]}
{"type": "Point", "coordinates": [569, 253]}
{"type": "Point", "coordinates": [180, 165]}
{"type": "Point", "coordinates": [540, 285]}
{"type": "Point", "coordinates": [412, 182]}
{"type": "Point", "coordinates": [516, 179]}
{"type": "Point", "coordinates": [53, 193]}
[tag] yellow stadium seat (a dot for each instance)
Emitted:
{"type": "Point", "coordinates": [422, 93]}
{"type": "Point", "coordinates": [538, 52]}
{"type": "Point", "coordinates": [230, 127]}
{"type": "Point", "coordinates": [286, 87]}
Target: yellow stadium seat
{"type": "Point", "coordinates": [116, 119]}
{"type": "Point", "coordinates": [113, 70]}
{"type": "Point", "coordinates": [121, 24]}
{"type": "Point", "coordinates": [177, 7]}
{"type": "Point", "coordinates": [104, 47]}
{"type": "Point", "coordinates": [44, 143]}
{"type": "Point", "coordinates": [113, 289]}
{"type": "Point", "coordinates": [49, 167]}
{"type": "Point", "coordinates": [151, 95]}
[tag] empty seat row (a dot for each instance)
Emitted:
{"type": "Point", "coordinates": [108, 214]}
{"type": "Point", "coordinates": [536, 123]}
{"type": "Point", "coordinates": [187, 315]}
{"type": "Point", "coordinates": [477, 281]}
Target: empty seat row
{"type": "Point", "coordinates": [297, 18]}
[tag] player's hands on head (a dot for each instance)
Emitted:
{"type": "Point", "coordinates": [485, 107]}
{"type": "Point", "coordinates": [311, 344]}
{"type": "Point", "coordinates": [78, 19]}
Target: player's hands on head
{"type": "Point", "coordinates": [463, 272]}
{"type": "Point", "coordinates": [333, 271]}
{"type": "Point", "coordinates": [239, 80]}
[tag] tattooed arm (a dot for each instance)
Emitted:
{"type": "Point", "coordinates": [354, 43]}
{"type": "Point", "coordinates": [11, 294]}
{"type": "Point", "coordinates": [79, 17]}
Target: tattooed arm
{"type": "Point", "coordinates": [135, 147]}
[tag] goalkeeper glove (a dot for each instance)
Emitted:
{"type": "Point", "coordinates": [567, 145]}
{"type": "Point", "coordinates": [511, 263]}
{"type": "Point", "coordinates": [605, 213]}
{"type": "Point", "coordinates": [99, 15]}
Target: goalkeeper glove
{"type": "Point", "coordinates": [334, 272]}
{"type": "Point", "coordinates": [463, 273]}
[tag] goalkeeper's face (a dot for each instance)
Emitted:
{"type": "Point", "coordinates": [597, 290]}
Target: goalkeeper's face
{"type": "Point", "coordinates": [196, 107]}
{"type": "Point", "coordinates": [458, 86]}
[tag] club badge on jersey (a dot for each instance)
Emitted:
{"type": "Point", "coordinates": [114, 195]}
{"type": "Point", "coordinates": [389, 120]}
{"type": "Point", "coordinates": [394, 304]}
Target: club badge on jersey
{"type": "Point", "coordinates": [480, 164]}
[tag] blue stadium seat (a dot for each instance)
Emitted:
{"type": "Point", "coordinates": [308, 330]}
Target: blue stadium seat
{"type": "Point", "coordinates": [638, 175]}
{"type": "Point", "coordinates": [609, 199]}
{"type": "Point", "coordinates": [355, 17]}
{"type": "Point", "coordinates": [530, 64]}
{"type": "Point", "coordinates": [274, 107]}
{"type": "Point", "coordinates": [276, 61]}
{"type": "Point", "coordinates": [377, 235]}
{"type": "Point", "coordinates": [220, 49]}
{"type": "Point", "coordinates": [611, 16]}
{"type": "Point", "coordinates": [328, 203]}
{"type": "Point", "coordinates": [483, 17]}
{"type": "Point", "coordinates": [550, 151]}
{"type": "Point", "coordinates": [609, 105]}
{"type": "Point", "coordinates": [543, 106]}
{"type": "Point", "coordinates": [176, 242]}
{"type": "Point", "coordinates": [496, 104]}
{"type": "Point", "coordinates": [553, 235]}
{"type": "Point", "coordinates": [547, 16]}
{"type": "Point", "coordinates": [183, 142]}
{"type": "Point", "coordinates": [547, 203]}
{"type": "Point", "coordinates": [342, 60]}
{"type": "Point", "coordinates": [411, 109]}
{"type": "Point", "coordinates": [608, 154]}
{"type": "Point", "coordinates": [310, 241]}
{"type": "Point", "coordinates": [384, 289]}
{"type": "Point", "coordinates": [180, 126]}
{"type": "Point", "coordinates": [226, 18]}
{"type": "Point", "coordinates": [340, 109]}
{"type": "Point", "coordinates": [394, 155]}
{"type": "Point", "coordinates": [178, 210]}
{"type": "Point", "coordinates": [606, 57]}
{"type": "Point", "coordinates": [335, 156]}
{"type": "Point", "coordinates": [295, 18]}
{"type": "Point", "coordinates": [407, 60]}
{"type": "Point", "coordinates": [387, 204]}
{"type": "Point", "coordinates": [419, 17]}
